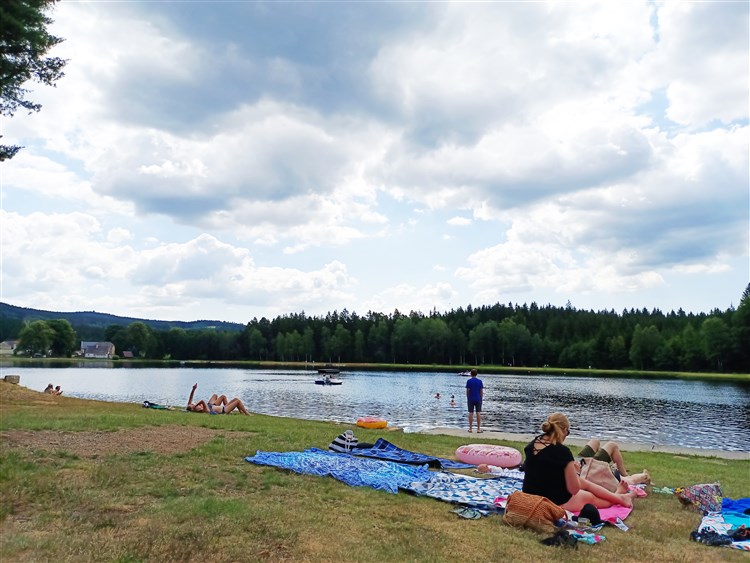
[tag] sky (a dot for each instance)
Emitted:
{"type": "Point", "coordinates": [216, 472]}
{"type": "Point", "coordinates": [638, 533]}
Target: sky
{"type": "Point", "coordinates": [238, 160]}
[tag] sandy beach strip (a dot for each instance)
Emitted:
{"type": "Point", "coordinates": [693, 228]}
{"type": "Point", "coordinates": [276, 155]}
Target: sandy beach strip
{"type": "Point", "coordinates": [624, 446]}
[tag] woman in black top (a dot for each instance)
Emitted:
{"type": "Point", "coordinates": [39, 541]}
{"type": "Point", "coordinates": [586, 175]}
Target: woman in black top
{"type": "Point", "coordinates": [550, 471]}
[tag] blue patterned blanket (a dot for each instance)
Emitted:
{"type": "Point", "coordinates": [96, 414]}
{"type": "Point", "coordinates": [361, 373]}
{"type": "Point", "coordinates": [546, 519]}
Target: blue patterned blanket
{"type": "Point", "coordinates": [356, 472]}
{"type": "Point", "coordinates": [486, 495]}
{"type": "Point", "coordinates": [383, 449]}
{"type": "Point", "coordinates": [470, 491]}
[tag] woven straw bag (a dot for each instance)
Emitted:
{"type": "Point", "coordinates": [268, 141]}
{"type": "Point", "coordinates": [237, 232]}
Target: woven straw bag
{"type": "Point", "coordinates": [532, 511]}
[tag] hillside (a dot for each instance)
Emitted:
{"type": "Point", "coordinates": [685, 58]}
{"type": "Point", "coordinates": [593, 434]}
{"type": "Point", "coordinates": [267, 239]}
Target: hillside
{"type": "Point", "coordinates": [92, 324]}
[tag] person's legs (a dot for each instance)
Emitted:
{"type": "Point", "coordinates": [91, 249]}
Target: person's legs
{"type": "Point", "coordinates": [214, 399]}
{"type": "Point", "coordinates": [235, 404]}
{"type": "Point", "coordinates": [590, 449]}
{"type": "Point", "coordinates": [643, 478]}
{"type": "Point", "coordinates": [479, 419]}
{"type": "Point", "coordinates": [613, 449]}
{"type": "Point", "coordinates": [604, 496]}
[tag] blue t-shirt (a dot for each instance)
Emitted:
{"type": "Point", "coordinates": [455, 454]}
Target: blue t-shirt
{"type": "Point", "coordinates": [475, 386]}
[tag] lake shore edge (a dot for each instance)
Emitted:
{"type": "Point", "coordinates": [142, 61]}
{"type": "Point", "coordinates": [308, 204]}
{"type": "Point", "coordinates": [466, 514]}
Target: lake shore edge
{"type": "Point", "coordinates": [741, 378]}
{"type": "Point", "coordinates": [580, 442]}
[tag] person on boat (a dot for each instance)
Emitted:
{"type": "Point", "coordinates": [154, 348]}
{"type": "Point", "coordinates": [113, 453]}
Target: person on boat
{"type": "Point", "coordinates": [217, 404]}
{"type": "Point", "coordinates": [550, 471]}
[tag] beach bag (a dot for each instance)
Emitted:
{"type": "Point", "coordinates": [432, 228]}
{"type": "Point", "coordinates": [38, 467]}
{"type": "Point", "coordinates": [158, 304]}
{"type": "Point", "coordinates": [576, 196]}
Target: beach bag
{"type": "Point", "coordinates": [343, 443]}
{"type": "Point", "coordinates": [706, 497]}
{"type": "Point", "coordinates": [599, 472]}
{"type": "Point", "coordinates": [532, 511]}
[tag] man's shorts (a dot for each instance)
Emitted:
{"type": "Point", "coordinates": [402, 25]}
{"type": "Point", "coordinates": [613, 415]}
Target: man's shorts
{"type": "Point", "coordinates": [475, 406]}
{"type": "Point", "coordinates": [601, 455]}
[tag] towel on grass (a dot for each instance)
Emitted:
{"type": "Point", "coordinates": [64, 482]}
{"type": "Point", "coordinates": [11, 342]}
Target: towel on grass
{"type": "Point", "coordinates": [356, 472]}
{"type": "Point", "coordinates": [487, 495]}
{"type": "Point", "coordinates": [383, 449]}
{"type": "Point", "coordinates": [731, 517]}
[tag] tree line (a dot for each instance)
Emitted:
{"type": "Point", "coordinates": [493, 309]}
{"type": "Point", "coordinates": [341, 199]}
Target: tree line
{"type": "Point", "coordinates": [507, 335]}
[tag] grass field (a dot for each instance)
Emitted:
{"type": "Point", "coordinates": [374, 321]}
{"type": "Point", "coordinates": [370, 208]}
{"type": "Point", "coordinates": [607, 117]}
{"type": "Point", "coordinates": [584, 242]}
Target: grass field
{"type": "Point", "coordinates": [93, 481]}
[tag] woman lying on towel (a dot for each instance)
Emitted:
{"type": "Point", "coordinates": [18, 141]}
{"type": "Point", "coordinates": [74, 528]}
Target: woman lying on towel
{"type": "Point", "coordinates": [610, 453]}
{"type": "Point", "coordinates": [217, 404]}
{"type": "Point", "coordinates": [550, 471]}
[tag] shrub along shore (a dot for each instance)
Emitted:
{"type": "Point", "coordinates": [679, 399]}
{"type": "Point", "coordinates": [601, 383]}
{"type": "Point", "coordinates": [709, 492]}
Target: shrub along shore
{"type": "Point", "coordinates": [99, 481]}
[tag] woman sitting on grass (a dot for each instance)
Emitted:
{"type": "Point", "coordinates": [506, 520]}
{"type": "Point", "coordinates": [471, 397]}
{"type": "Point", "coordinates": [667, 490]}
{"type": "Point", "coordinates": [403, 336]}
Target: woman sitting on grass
{"type": "Point", "coordinates": [550, 471]}
{"type": "Point", "coordinates": [217, 404]}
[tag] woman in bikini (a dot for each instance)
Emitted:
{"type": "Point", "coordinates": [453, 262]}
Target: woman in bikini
{"type": "Point", "coordinates": [217, 404]}
{"type": "Point", "coordinates": [550, 471]}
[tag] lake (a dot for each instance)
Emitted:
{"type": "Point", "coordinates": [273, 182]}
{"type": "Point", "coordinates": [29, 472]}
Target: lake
{"type": "Point", "coordinates": [693, 414]}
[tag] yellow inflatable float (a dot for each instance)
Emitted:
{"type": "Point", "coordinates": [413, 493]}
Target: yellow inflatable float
{"type": "Point", "coordinates": [371, 422]}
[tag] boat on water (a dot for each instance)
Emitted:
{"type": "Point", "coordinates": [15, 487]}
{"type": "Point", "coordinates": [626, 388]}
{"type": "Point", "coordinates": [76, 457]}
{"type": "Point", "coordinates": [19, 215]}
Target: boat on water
{"type": "Point", "coordinates": [465, 373]}
{"type": "Point", "coordinates": [328, 379]}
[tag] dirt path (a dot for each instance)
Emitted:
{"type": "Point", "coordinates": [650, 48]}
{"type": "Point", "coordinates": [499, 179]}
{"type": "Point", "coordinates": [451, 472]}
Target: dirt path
{"type": "Point", "coordinates": [162, 439]}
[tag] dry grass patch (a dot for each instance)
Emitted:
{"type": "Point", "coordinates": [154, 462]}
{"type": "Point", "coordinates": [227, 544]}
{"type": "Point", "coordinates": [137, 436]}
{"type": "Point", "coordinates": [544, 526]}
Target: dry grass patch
{"type": "Point", "coordinates": [86, 444]}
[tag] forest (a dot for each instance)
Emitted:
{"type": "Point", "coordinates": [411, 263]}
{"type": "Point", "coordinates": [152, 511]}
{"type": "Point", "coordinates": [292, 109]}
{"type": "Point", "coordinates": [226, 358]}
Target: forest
{"type": "Point", "coordinates": [506, 335]}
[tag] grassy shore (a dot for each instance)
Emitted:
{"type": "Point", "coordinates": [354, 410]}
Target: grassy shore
{"type": "Point", "coordinates": [94, 481]}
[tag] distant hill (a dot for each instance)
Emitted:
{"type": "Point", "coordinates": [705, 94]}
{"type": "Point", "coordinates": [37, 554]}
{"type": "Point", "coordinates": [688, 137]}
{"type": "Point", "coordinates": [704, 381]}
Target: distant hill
{"type": "Point", "coordinates": [91, 323]}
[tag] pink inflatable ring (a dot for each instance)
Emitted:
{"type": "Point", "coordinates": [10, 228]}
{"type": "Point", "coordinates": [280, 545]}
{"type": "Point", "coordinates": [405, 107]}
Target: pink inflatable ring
{"type": "Point", "coordinates": [501, 456]}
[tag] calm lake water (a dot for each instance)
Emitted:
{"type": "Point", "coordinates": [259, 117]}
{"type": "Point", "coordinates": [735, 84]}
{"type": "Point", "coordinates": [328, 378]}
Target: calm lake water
{"type": "Point", "coordinates": [690, 414]}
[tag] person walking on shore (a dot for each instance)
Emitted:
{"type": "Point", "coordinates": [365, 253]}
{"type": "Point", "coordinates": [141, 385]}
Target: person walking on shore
{"type": "Point", "coordinates": [474, 395]}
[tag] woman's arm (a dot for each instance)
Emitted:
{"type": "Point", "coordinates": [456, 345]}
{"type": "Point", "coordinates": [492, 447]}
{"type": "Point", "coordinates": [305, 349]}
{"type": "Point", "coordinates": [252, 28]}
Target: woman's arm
{"type": "Point", "coordinates": [192, 394]}
{"type": "Point", "coordinates": [572, 481]}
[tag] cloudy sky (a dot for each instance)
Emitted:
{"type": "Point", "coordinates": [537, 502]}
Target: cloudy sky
{"type": "Point", "coordinates": [231, 160]}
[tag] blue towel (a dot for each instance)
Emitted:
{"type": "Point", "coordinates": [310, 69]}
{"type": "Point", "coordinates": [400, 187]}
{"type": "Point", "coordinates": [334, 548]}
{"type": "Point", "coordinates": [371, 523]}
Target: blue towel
{"type": "Point", "coordinates": [383, 449]}
{"type": "Point", "coordinates": [356, 472]}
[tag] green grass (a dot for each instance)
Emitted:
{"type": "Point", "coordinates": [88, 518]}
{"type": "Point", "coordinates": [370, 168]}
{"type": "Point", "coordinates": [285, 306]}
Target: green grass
{"type": "Point", "coordinates": [208, 503]}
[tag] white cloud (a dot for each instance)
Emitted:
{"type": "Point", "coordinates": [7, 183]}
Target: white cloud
{"type": "Point", "coordinates": [407, 298]}
{"type": "Point", "coordinates": [182, 168]}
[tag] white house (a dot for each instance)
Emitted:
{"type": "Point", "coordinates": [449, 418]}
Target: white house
{"type": "Point", "coordinates": [103, 350]}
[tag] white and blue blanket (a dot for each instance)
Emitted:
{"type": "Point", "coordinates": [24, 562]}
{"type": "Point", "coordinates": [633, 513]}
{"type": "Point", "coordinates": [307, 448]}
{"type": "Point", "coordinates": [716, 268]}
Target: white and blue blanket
{"type": "Point", "coordinates": [731, 517]}
{"type": "Point", "coordinates": [486, 495]}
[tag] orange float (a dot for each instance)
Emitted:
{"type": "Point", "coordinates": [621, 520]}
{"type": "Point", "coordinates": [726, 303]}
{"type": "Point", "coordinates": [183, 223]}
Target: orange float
{"type": "Point", "coordinates": [371, 422]}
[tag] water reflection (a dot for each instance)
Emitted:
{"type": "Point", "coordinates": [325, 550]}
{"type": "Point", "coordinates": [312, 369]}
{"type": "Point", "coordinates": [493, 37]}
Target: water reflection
{"type": "Point", "coordinates": [663, 412]}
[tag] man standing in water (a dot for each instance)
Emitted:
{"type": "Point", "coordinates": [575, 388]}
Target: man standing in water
{"type": "Point", "coordinates": [474, 395]}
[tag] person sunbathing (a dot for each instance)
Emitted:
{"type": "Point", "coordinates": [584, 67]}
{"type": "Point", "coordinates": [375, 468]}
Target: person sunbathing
{"type": "Point", "coordinates": [550, 471]}
{"type": "Point", "coordinates": [610, 453]}
{"type": "Point", "coordinates": [217, 404]}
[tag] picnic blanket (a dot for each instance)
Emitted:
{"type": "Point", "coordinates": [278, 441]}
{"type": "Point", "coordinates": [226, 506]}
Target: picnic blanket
{"type": "Point", "coordinates": [731, 517]}
{"type": "Point", "coordinates": [383, 449]}
{"type": "Point", "coordinates": [505, 473]}
{"type": "Point", "coordinates": [356, 472]}
{"type": "Point", "coordinates": [488, 495]}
